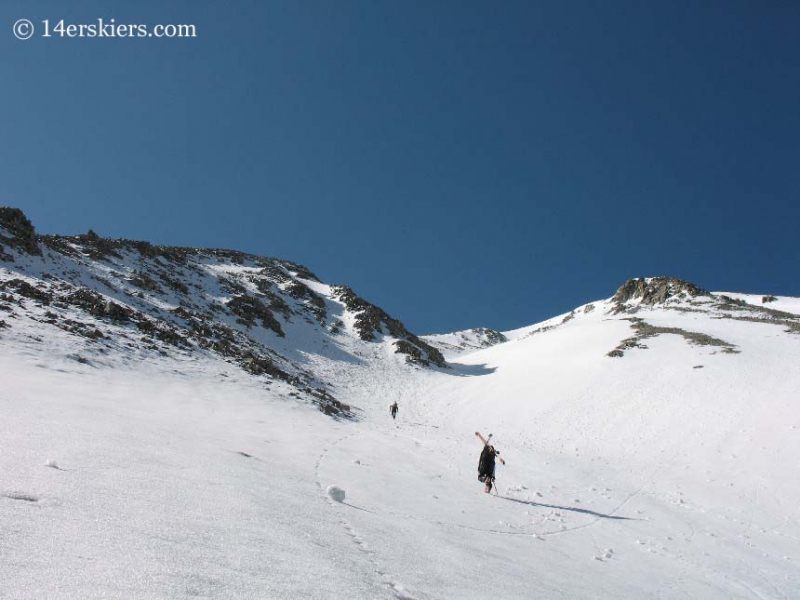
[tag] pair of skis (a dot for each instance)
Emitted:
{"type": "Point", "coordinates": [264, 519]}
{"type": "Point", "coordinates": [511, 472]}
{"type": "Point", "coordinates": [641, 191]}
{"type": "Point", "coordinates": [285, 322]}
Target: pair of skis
{"type": "Point", "coordinates": [486, 443]}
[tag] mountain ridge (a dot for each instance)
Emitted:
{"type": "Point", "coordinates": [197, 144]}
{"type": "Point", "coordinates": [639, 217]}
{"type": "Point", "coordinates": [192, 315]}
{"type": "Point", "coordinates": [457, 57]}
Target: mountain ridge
{"type": "Point", "coordinates": [236, 305]}
{"type": "Point", "coordinates": [156, 288]}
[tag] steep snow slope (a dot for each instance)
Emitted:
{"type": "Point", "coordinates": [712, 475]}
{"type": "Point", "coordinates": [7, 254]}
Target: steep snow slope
{"type": "Point", "coordinates": [665, 469]}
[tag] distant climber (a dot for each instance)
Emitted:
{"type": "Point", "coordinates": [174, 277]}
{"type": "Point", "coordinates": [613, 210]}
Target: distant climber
{"type": "Point", "coordinates": [393, 409]}
{"type": "Point", "coordinates": [486, 462]}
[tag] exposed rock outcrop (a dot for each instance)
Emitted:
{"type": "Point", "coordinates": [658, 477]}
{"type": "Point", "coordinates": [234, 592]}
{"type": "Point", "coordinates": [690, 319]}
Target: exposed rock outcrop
{"type": "Point", "coordinates": [372, 320]}
{"type": "Point", "coordinates": [22, 235]}
{"type": "Point", "coordinates": [655, 290]}
{"type": "Point", "coordinates": [645, 330]}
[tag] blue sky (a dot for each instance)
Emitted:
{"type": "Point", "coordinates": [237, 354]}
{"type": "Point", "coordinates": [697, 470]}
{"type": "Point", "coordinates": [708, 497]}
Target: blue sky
{"type": "Point", "coordinates": [460, 164]}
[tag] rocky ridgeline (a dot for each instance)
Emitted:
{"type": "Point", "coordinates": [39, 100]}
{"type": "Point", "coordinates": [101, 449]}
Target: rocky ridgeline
{"type": "Point", "coordinates": [670, 293]}
{"type": "Point", "coordinates": [677, 294]}
{"type": "Point", "coordinates": [239, 306]}
{"type": "Point", "coordinates": [654, 290]}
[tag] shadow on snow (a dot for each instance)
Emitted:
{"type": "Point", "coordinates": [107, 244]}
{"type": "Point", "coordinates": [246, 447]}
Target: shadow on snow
{"type": "Point", "coordinates": [584, 511]}
{"type": "Point", "coordinates": [467, 370]}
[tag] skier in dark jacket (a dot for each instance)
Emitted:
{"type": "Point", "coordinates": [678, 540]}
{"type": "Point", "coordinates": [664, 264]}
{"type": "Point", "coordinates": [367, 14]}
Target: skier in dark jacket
{"type": "Point", "coordinates": [486, 463]}
{"type": "Point", "coordinates": [393, 410]}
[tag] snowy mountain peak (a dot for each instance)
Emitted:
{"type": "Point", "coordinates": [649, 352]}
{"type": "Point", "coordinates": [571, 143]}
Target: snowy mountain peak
{"type": "Point", "coordinates": [651, 291]}
{"type": "Point", "coordinates": [273, 318]}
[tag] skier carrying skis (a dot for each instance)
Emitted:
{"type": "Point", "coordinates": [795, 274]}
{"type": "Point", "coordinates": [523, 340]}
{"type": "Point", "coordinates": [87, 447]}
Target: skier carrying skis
{"type": "Point", "coordinates": [393, 410]}
{"type": "Point", "coordinates": [486, 462]}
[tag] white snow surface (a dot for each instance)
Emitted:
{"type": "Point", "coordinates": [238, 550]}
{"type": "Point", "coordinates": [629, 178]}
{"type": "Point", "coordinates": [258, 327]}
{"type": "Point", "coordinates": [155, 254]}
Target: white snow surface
{"type": "Point", "coordinates": [669, 472]}
{"type": "Point", "coordinates": [452, 345]}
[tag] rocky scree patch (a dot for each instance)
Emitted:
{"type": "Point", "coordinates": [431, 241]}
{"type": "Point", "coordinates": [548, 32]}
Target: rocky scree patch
{"type": "Point", "coordinates": [645, 331]}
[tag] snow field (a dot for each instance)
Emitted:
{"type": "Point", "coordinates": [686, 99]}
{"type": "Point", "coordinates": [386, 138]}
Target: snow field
{"type": "Point", "coordinates": [667, 472]}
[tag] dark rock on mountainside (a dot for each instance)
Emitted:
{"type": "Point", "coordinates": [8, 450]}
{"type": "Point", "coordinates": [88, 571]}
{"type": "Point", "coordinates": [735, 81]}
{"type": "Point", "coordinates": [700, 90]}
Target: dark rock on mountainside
{"type": "Point", "coordinates": [645, 330]}
{"type": "Point", "coordinates": [490, 337]}
{"type": "Point", "coordinates": [316, 304]}
{"type": "Point", "coordinates": [249, 308]}
{"type": "Point", "coordinates": [22, 234]}
{"type": "Point", "coordinates": [372, 320]}
{"type": "Point", "coordinates": [655, 290]}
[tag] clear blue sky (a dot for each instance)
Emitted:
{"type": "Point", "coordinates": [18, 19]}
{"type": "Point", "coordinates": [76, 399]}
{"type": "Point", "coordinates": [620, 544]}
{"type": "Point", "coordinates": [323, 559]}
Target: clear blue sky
{"type": "Point", "coordinates": [460, 164]}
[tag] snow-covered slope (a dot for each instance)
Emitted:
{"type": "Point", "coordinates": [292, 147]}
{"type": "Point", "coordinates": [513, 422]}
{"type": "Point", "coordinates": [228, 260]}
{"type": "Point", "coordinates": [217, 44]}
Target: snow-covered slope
{"type": "Point", "coordinates": [271, 317]}
{"type": "Point", "coordinates": [462, 342]}
{"type": "Point", "coordinates": [651, 442]}
{"type": "Point", "coordinates": [781, 303]}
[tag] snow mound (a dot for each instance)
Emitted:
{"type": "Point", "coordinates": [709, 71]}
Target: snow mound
{"type": "Point", "coordinates": [335, 493]}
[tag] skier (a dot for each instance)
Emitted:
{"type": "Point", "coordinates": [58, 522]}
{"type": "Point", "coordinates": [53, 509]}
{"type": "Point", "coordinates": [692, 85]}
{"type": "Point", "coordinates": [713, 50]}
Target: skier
{"type": "Point", "coordinates": [486, 462]}
{"type": "Point", "coordinates": [393, 410]}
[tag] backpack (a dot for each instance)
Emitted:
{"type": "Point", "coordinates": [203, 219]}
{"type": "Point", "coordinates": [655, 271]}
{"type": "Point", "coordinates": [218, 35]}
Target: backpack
{"type": "Point", "coordinates": [486, 462]}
